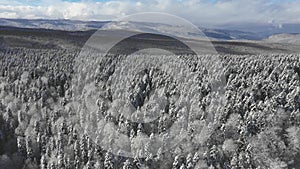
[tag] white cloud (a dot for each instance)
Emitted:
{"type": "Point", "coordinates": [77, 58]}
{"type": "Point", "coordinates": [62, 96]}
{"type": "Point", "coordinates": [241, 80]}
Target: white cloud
{"type": "Point", "coordinates": [197, 11]}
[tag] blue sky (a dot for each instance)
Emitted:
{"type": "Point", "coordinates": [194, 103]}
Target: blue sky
{"type": "Point", "coordinates": [197, 11]}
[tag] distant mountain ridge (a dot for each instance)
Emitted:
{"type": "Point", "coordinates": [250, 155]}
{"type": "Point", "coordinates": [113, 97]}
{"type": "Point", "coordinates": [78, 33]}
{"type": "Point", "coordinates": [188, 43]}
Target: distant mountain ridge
{"type": "Point", "coordinates": [222, 32]}
{"type": "Point", "coordinates": [264, 29]}
{"type": "Point", "coordinates": [225, 34]}
{"type": "Point", "coordinates": [67, 25]}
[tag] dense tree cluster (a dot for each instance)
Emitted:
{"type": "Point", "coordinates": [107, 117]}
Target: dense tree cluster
{"type": "Point", "coordinates": [48, 112]}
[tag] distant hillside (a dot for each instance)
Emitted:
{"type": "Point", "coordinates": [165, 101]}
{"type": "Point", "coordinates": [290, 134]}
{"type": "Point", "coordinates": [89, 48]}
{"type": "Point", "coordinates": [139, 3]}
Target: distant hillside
{"type": "Point", "coordinates": [284, 38]}
{"type": "Point", "coordinates": [264, 30]}
{"type": "Point", "coordinates": [66, 25]}
{"type": "Point", "coordinates": [248, 31]}
{"type": "Point", "coordinates": [73, 25]}
{"type": "Point", "coordinates": [226, 34]}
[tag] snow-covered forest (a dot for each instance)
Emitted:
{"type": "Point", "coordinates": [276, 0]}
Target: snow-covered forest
{"type": "Point", "coordinates": [234, 112]}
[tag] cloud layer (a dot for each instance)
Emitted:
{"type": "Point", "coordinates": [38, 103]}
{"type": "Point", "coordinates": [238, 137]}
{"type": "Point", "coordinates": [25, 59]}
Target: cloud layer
{"type": "Point", "coordinates": [197, 11]}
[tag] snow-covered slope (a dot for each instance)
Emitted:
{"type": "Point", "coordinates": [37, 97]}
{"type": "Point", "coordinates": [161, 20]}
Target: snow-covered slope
{"type": "Point", "coordinates": [285, 38]}
{"type": "Point", "coordinates": [184, 31]}
{"type": "Point", "coordinates": [187, 31]}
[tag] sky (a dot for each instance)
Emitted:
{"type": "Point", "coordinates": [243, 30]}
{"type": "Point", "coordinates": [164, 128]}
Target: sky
{"type": "Point", "coordinates": [196, 11]}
